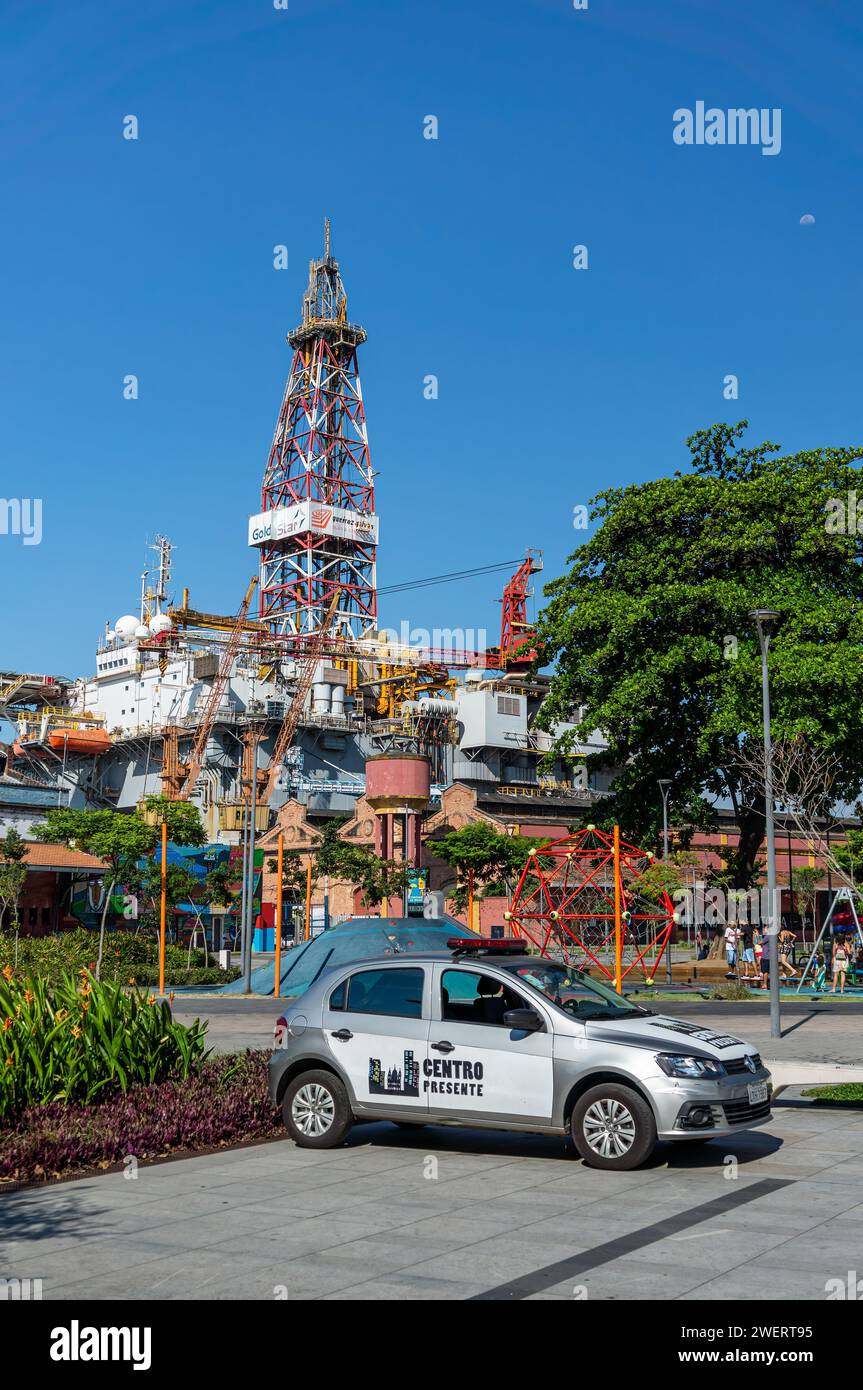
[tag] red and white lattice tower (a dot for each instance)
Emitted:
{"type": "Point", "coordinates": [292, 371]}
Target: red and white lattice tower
{"type": "Point", "coordinates": [317, 530]}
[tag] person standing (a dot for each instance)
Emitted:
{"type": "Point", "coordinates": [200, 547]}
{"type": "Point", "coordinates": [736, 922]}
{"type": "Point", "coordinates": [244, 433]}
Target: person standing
{"type": "Point", "coordinates": [750, 970]}
{"type": "Point", "coordinates": [731, 938]}
{"type": "Point", "coordinates": [840, 964]}
{"type": "Point", "coordinates": [786, 941]}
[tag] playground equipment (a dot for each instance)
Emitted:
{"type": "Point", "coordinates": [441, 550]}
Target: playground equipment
{"type": "Point", "coordinates": [583, 898]}
{"type": "Point", "coordinates": [842, 895]}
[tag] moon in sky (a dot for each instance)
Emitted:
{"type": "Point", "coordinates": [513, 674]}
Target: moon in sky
{"type": "Point", "coordinates": [807, 220]}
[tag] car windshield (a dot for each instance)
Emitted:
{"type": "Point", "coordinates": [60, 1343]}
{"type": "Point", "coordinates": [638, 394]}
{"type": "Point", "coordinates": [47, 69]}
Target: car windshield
{"type": "Point", "coordinates": [573, 991]}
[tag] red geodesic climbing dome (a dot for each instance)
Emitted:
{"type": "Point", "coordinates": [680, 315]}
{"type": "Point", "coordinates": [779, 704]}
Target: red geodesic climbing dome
{"type": "Point", "coordinates": [565, 905]}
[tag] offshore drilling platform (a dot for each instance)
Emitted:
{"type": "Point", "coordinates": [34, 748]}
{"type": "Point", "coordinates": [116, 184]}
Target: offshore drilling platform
{"type": "Point", "coordinates": [288, 698]}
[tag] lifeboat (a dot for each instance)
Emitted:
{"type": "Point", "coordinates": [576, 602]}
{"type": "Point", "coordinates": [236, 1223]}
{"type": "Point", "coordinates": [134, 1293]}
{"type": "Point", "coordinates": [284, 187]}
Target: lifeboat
{"type": "Point", "coordinates": [79, 740]}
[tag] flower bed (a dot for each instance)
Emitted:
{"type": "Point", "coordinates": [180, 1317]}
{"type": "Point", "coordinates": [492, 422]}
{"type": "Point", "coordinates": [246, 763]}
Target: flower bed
{"type": "Point", "coordinates": [224, 1102]}
{"type": "Point", "coordinates": [83, 1040]}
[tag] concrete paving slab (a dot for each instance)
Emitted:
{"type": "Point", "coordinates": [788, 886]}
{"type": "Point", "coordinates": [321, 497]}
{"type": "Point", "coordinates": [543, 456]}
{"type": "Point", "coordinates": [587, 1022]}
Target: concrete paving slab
{"type": "Point", "coordinates": [364, 1222]}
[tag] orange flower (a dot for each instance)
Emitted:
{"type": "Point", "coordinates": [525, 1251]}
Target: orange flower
{"type": "Point", "coordinates": [75, 1031]}
{"type": "Point", "coordinates": [84, 1007]}
{"type": "Point", "coordinates": [28, 997]}
{"type": "Point", "coordinates": [10, 1060]}
{"type": "Point", "coordinates": [61, 1015]}
{"type": "Point", "coordinates": [7, 972]}
{"type": "Point", "coordinates": [7, 1024]}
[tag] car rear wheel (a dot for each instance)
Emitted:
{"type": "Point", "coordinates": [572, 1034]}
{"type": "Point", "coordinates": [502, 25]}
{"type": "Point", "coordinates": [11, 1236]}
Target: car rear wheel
{"type": "Point", "coordinates": [316, 1111]}
{"type": "Point", "coordinates": [613, 1127]}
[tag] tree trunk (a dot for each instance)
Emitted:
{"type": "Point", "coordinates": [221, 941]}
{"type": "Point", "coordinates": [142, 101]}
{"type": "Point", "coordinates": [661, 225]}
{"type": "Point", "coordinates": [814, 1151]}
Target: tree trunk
{"type": "Point", "coordinates": [751, 825]}
{"type": "Point", "coordinates": [105, 906]}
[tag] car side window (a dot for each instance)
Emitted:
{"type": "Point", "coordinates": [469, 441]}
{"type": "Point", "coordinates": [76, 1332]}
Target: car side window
{"type": "Point", "coordinates": [467, 997]}
{"type": "Point", "coordinates": [339, 996]}
{"type": "Point", "coordinates": [397, 993]}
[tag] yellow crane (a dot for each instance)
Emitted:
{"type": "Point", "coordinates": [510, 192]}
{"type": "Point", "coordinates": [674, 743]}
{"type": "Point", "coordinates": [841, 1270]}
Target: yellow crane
{"type": "Point", "coordinates": [285, 736]}
{"type": "Point", "coordinates": [205, 728]}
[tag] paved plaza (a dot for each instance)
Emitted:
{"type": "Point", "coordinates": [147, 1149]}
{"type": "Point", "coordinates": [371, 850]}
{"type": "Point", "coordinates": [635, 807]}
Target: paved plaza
{"type": "Point", "coordinates": [447, 1214]}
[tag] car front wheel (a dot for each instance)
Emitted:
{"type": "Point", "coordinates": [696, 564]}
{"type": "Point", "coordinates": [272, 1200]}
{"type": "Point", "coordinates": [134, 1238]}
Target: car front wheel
{"type": "Point", "coordinates": [316, 1111]}
{"type": "Point", "coordinates": [613, 1127]}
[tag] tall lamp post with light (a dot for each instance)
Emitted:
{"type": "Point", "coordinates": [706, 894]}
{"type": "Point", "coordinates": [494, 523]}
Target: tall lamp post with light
{"type": "Point", "coordinates": [765, 620]}
{"type": "Point", "coordinates": [665, 787]}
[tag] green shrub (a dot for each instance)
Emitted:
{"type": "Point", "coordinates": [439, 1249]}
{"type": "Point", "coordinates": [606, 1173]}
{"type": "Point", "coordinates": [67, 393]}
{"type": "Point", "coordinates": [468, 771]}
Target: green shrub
{"type": "Point", "coordinates": [183, 978]}
{"type": "Point", "coordinates": [731, 991]}
{"type": "Point", "coordinates": [130, 957]}
{"type": "Point", "coordinates": [82, 1039]}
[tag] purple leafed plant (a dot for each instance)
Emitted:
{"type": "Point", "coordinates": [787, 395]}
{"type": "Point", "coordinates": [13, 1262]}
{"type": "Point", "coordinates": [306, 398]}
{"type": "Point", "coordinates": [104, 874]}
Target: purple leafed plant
{"type": "Point", "coordinates": [225, 1102]}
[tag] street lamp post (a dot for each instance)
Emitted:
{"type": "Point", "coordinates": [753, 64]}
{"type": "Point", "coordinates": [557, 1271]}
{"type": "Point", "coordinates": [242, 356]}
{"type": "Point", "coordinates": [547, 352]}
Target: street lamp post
{"type": "Point", "coordinates": [250, 890]}
{"type": "Point", "coordinates": [665, 787]}
{"type": "Point", "coordinates": [765, 620]}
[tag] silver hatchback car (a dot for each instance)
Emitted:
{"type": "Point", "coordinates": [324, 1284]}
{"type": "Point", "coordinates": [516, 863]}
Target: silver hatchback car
{"type": "Point", "coordinates": [486, 1036]}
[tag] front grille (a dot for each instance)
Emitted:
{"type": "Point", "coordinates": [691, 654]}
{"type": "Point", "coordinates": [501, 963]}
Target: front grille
{"type": "Point", "coordinates": [740, 1112]}
{"type": "Point", "coordinates": [738, 1064]}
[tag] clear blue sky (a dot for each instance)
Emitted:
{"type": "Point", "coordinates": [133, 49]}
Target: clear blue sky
{"type": "Point", "coordinates": [154, 257]}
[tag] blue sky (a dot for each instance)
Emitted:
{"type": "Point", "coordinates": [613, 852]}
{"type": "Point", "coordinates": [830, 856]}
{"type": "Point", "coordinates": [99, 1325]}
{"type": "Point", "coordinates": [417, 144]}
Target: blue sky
{"type": "Point", "coordinates": [155, 257]}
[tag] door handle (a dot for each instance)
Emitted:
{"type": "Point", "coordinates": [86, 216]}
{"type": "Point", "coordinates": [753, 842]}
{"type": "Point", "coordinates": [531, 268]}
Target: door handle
{"type": "Point", "coordinates": [444, 1047]}
{"type": "Point", "coordinates": [343, 1035]}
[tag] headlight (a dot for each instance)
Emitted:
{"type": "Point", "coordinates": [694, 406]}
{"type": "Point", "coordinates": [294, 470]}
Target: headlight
{"type": "Point", "coordinates": [674, 1065]}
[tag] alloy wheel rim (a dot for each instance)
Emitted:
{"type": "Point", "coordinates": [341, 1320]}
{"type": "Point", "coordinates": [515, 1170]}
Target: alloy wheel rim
{"type": "Point", "coordinates": [313, 1110]}
{"type": "Point", "coordinates": [609, 1128]}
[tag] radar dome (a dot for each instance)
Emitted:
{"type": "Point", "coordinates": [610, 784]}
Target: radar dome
{"type": "Point", "coordinates": [125, 628]}
{"type": "Point", "coordinates": [160, 623]}
{"type": "Point", "coordinates": [141, 632]}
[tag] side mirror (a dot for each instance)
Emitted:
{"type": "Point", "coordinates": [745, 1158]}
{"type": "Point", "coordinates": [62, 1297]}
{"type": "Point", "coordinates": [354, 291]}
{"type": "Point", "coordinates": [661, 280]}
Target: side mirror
{"type": "Point", "coordinates": [522, 1020]}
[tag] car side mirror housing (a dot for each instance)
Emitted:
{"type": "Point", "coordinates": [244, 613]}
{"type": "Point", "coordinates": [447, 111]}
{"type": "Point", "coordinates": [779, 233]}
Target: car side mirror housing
{"type": "Point", "coordinates": [522, 1020]}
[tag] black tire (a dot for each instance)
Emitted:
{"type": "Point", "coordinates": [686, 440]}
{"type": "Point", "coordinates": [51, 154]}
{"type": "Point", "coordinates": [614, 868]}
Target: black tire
{"type": "Point", "coordinates": [627, 1146]}
{"type": "Point", "coordinates": [321, 1094]}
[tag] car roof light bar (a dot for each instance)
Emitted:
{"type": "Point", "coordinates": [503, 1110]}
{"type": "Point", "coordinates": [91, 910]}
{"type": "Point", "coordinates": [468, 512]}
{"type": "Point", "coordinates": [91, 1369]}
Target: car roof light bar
{"type": "Point", "coordinates": [484, 946]}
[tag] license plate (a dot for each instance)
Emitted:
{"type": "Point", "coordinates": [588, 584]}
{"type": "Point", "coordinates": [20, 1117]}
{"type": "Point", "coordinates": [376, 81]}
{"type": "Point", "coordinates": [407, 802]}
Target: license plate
{"type": "Point", "coordinates": [758, 1093]}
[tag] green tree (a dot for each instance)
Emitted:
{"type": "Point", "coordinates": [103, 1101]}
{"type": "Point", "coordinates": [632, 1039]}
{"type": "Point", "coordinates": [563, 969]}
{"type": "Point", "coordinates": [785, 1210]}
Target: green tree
{"type": "Point", "coordinates": [661, 877]}
{"type": "Point", "coordinates": [804, 881]}
{"type": "Point", "coordinates": [121, 840]}
{"type": "Point", "coordinates": [181, 885]}
{"type": "Point", "coordinates": [650, 633]}
{"type": "Point", "coordinates": [355, 864]}
{"type": "Point", "coordinates": [13, 876]}
{"type": "Point", "coordinates": [224, 887]}
{"type": "Point", "coordinates": [850, 855]}
{"type": "Point", "coordinates": [494, 857]}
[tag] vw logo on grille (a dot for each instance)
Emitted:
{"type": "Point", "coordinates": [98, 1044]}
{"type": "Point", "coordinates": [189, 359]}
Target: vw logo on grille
{"type": "Point", "coordinates": [750, 1062]}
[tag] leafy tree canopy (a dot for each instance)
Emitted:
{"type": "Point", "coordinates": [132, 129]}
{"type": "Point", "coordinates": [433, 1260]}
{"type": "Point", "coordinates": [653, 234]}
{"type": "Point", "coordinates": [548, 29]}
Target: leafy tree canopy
{"type": "Point", "coordinates": [650, 633]}
{"type": "Point", "coordinates": [13, 873]}
{"type": "Point", "coordinates": [354, 864]}
{"type": "Point", "coordinates": [490, 853]}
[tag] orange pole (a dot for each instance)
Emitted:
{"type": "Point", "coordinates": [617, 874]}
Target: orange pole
{"type": "Point", "coordinates": [618, 937]}
{"type": "Point", "coordinates": [279, 864]}
{"type": "Point", "coordinates": [164, 907]}
{"type": "Point", "coordinates": [308, 898]}
{"type": "Point", "coordinates": [470, 899]}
